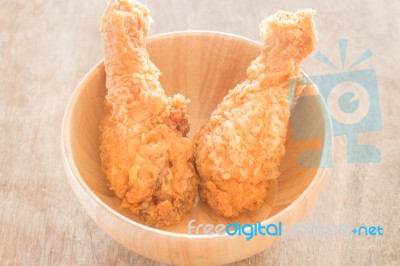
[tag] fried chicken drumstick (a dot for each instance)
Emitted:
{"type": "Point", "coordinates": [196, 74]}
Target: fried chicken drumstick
{"type": "Point", "coordinates": [145, 154]}
{"type": "Point", "coordinates": [239, 150]}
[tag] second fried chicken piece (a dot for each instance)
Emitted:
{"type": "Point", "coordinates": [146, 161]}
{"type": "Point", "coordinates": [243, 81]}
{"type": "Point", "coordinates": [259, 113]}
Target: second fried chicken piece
{"type": "Point", "coordinates": [144, 152]}
{"type": "Point", "coordinates": [240, 149]}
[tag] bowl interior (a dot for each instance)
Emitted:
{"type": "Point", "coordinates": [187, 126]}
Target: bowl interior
{"type": "Point", "coordinates": [203, 67]}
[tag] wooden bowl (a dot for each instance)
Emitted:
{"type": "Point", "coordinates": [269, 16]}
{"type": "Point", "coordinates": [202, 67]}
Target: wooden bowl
{"type": "Point", "coordinates": [203, 66]}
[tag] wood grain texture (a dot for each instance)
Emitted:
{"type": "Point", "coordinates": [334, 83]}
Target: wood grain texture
{"type": "Point", "coordinates": [47, 47]}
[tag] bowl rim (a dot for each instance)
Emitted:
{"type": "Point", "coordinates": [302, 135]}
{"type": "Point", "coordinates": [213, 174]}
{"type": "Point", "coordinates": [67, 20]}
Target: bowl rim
{"type": "Point", "coordinates": [75, 177]}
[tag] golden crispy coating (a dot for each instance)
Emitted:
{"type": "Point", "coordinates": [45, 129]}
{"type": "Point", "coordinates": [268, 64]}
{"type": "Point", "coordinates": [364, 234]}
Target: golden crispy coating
{"type": "Point", "coordinates": [239, 150]}
{"type": "Point", "coordinates": [144, 150]}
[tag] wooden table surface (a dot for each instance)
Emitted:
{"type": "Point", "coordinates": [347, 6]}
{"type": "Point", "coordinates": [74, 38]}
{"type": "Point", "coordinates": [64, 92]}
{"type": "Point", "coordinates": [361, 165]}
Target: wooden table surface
{"type": "Point", "coordinates": [46, 47]}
